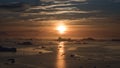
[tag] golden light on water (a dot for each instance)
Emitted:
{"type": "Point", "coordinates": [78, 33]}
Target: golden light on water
{"type": "Point", "coordinates": [60, 56]}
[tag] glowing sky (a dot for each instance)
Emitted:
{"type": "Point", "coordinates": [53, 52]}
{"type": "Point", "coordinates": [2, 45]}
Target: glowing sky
{"type": "Point", "coordinates": [38, 18]}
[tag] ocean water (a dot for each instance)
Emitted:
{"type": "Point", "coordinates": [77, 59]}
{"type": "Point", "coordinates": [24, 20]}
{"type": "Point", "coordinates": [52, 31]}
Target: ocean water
{"type": "Point", "coordinates": [54, 54]}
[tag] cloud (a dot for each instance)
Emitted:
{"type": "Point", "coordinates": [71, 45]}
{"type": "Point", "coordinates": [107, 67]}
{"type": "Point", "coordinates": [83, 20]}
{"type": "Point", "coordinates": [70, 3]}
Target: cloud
{"type": "Point", "coordinates": [66, 12]}
{"type": "Point", "coordinates": [62, 1]}
{"type": "Point", "coordinates": [62, 9]}
{"type": "Point", "coordinates": [51, 6]}
{"type": "Point", "coordinates": [31, 2]}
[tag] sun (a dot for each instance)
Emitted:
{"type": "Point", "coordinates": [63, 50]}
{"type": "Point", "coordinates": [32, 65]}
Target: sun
{"type": "Point", "coordinates": [61, 29]}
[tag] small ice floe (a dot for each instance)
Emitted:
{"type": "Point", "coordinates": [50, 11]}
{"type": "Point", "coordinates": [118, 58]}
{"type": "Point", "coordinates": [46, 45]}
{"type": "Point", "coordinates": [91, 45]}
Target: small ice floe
{"type": "Point", "coordinates": [10, 61]}
{"type": "Point", "coordinates": [40, 47]}
{"type": "Point", "coordinates": [62, 54]}
{"type": "Point", "coordinates": [40, 52]}
{"type": "Point", "coordinates": [76, 56]}
{"type": "Point", "coordinates": [25, 43]}
{"type": "Point", "coordinates": [72, 48]}
{"type": "Point", "coordinates": [83, 57]}
{"type": "Point", "coordinates": [92, 58]}
{"type": "Point", "coordinates": [44, 51]}
{"type": "Point", "coordinates": [59, 46]}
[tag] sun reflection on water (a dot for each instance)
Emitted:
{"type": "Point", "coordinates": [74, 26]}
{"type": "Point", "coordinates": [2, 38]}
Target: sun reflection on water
{"type": "Point", "coordinates": [60, 56]}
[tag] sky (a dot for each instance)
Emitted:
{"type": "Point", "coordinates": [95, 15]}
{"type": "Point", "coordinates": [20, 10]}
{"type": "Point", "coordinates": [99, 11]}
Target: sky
{"type": "Point", "coordinates": [39, 18]}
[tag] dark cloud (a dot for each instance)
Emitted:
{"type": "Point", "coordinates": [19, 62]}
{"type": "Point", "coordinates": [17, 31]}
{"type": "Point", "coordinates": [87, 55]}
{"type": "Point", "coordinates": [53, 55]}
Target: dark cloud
{"type": "Point", "coordinates": [93, 11]}
{"type": "Point", "coordinates": [31, 2]}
